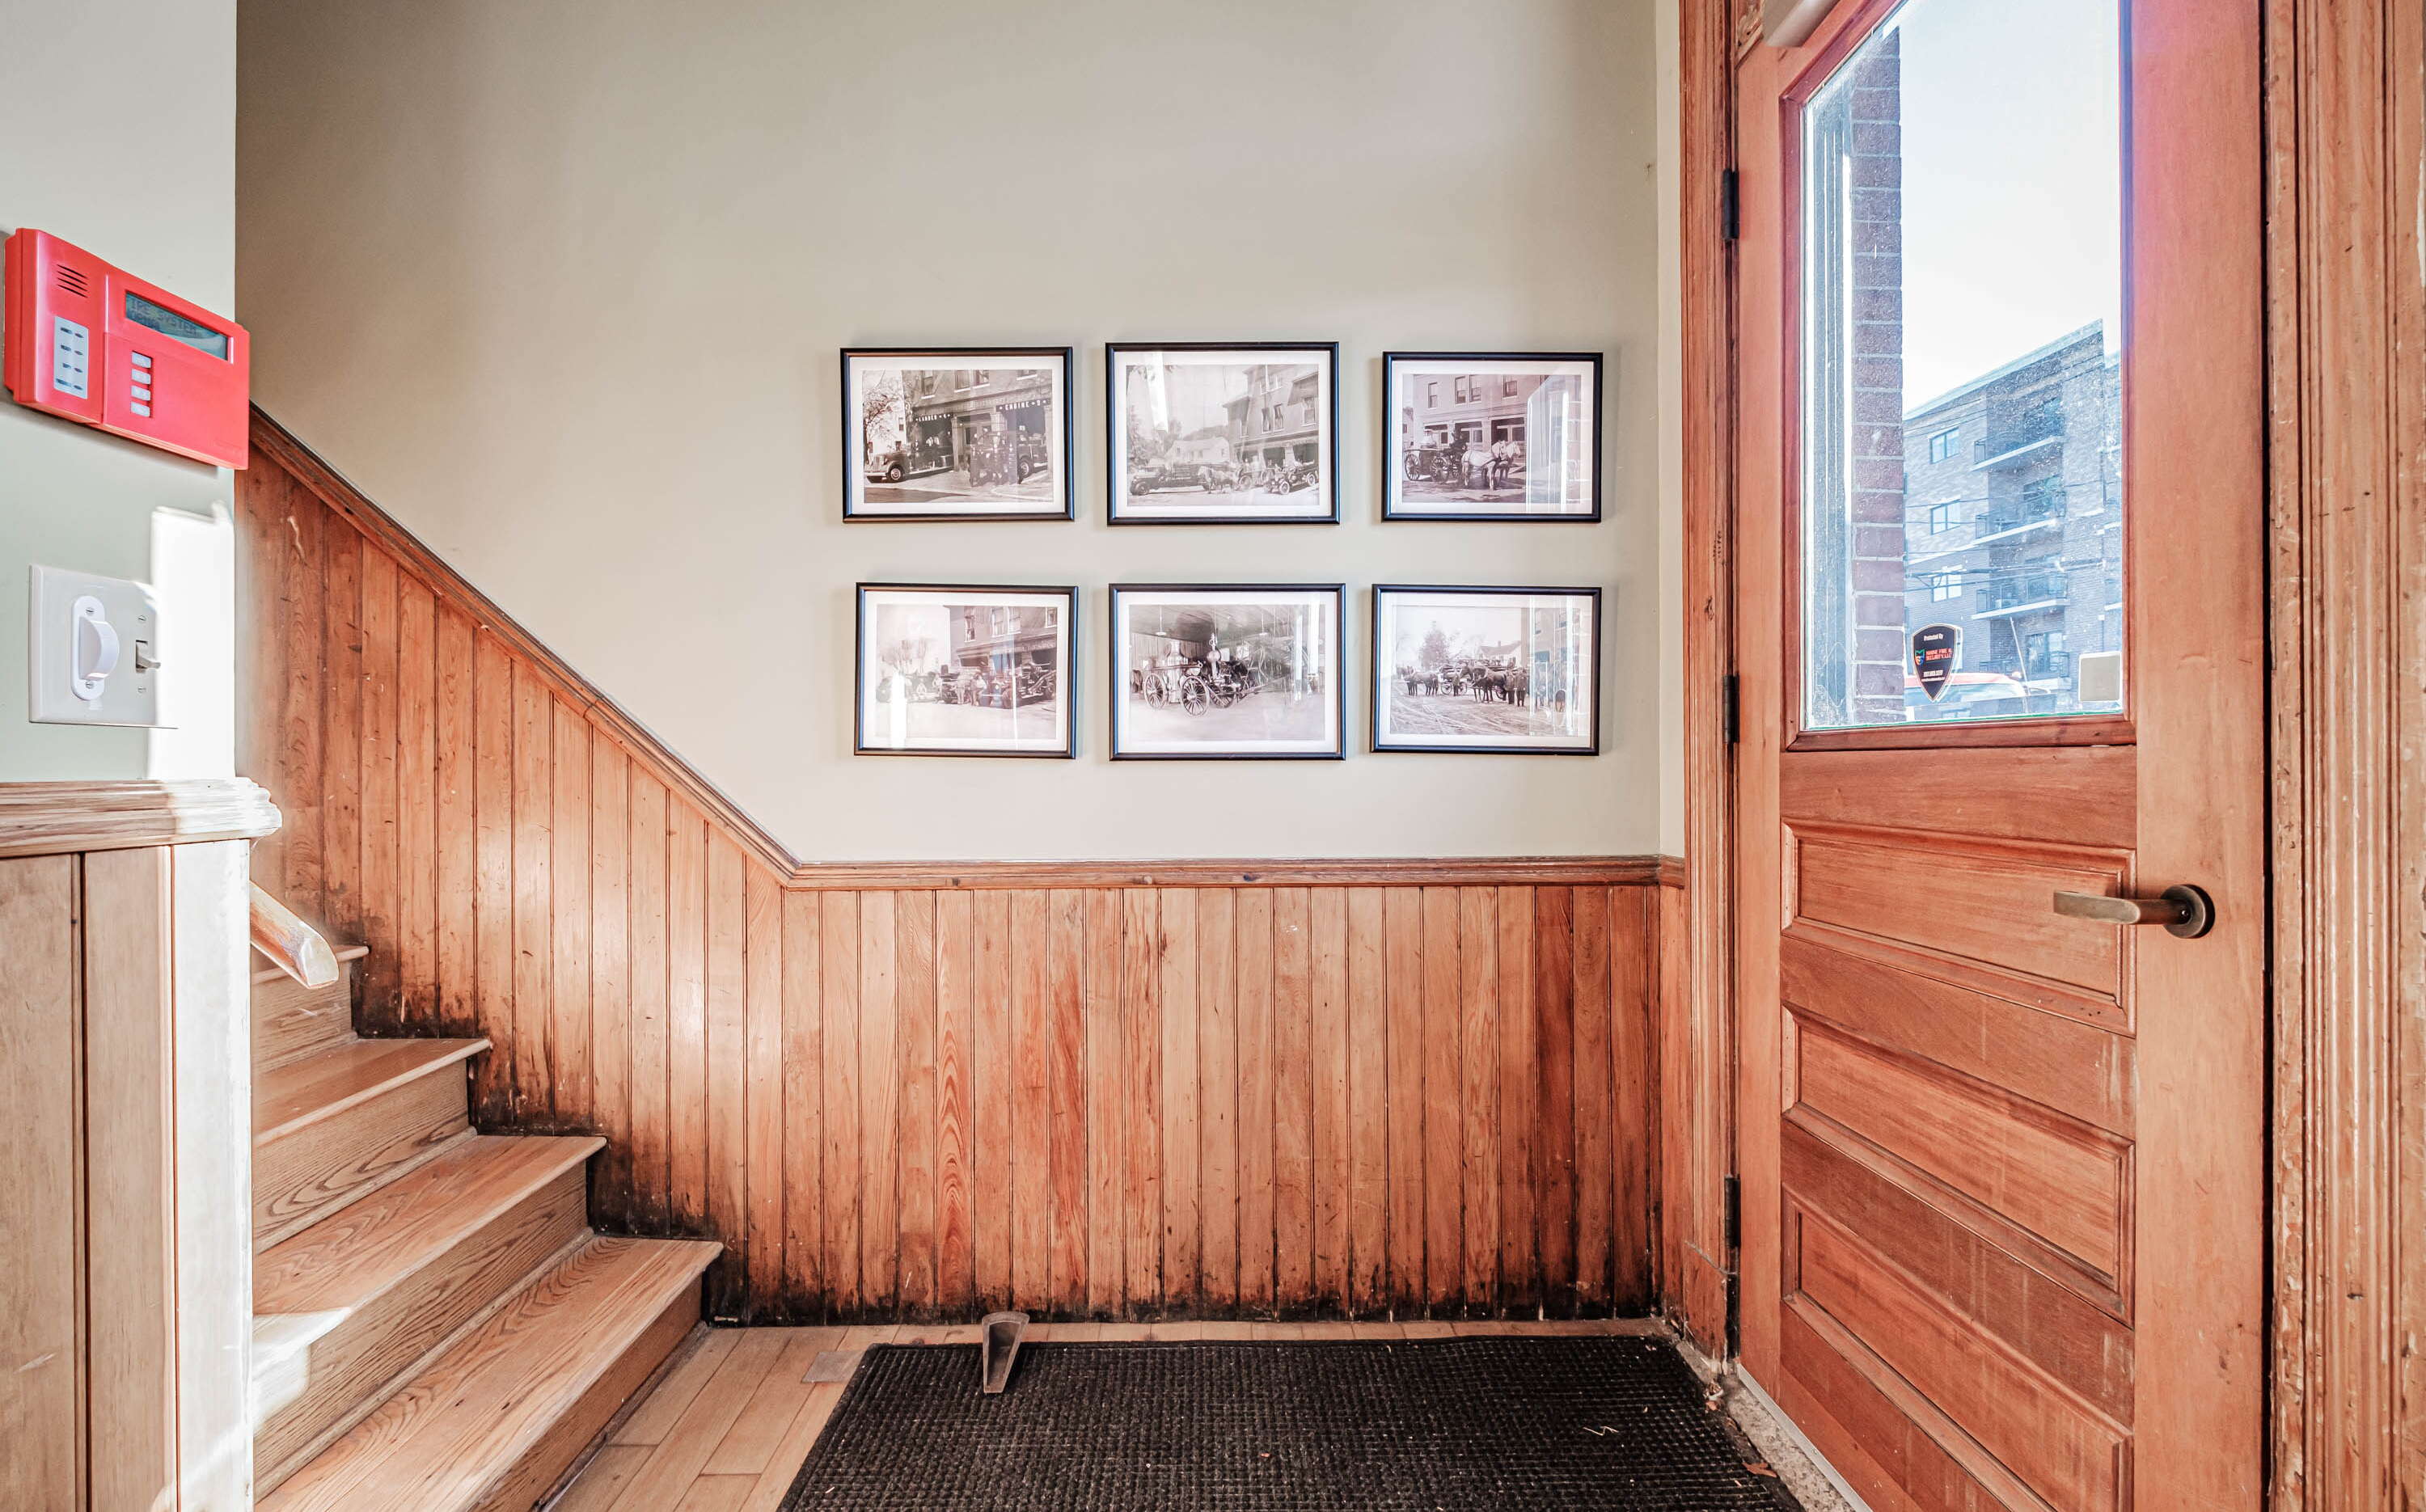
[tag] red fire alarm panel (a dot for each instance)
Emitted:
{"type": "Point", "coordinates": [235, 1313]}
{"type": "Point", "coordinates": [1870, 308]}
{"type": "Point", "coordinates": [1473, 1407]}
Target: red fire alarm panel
{"type": "Point", "coordinates": [94, 344]}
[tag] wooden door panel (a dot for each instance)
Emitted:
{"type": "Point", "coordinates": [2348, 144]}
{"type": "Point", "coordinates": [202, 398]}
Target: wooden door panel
{"type": "Point", "coordinates": [1986, 790]}
{"type": "Point", "coordinates": [1878, 1431]}
{"type": "Point", "coordinates": [2058, 1062]}
{"type": "Point", "coordinates": [2068, 1186]}
{"type": "Point", "coordinates": [2061, 1333]}
{"type": "Point", "coordinates": [1971, 900]}
{"type": "Point", "coordinates": [2069, 1454]}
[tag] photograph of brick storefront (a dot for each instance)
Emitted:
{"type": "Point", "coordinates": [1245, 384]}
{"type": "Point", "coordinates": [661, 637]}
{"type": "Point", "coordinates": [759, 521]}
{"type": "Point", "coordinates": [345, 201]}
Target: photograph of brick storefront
{"type": "Point", "coordinates": [2015, 525]}
{"type": "Point", "coordinates": [1278, 421]}
{"type": "Point", "coordinates": [991, 427]}
{"type": "Point", "coordinates": [992, 638]}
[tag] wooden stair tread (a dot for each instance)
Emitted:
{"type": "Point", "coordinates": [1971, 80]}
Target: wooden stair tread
{"type": "Point", "coordinates": [300, 1093]}
{"type": "Point", "coordinates": [273, 973]}
{"type": "Point", "coordinates": [466, 1421]}
{"type": "Point", "coordinates": [357, 1253]}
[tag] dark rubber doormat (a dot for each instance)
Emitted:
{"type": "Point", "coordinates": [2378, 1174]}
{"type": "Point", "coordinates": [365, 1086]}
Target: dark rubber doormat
{"type": "Point", "coordinates": [1514, 1425]}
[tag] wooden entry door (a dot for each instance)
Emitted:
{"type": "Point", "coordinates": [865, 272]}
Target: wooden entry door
{"type": "Point", "coordinates": [1998, 302]}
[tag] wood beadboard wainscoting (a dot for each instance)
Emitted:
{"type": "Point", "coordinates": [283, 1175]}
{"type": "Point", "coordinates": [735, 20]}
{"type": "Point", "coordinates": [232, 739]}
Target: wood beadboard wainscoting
{"type": "Point", "coordinates": [125, 1247]}
{"type": "Point", "coordinates": [913, 1091]}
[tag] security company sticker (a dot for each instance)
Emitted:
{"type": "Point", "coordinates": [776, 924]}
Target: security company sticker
{"type": "Point", "coordinates": [1932, 657]}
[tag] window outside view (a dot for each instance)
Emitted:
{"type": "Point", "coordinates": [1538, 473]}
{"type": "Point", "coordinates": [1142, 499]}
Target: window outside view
{"type": "Point", "coordinates": [1961, 206]}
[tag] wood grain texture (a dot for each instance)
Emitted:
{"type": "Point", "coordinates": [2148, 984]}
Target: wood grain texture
{"type": "Point", "coordinates": [1094, 1091]}
{"type": "Point", "coordinates": [42, 1369]}
{"type": "Point", "coordinates": [2346, 108]}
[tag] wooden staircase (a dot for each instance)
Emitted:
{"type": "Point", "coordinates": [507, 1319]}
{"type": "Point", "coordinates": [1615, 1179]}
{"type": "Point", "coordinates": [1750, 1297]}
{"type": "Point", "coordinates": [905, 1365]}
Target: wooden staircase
{"type": "Point", "coordinates": [435, 1327]}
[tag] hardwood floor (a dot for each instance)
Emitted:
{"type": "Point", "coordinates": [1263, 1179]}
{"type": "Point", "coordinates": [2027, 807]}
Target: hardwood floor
{"type": "Point", "coordinates": [730, 1421]}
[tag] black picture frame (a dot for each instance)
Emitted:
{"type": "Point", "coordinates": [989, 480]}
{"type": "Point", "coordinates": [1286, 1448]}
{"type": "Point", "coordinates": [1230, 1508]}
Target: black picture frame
{"type": "Point", "coordinates": [1338, 672]}
{"type": "Point", "coordinates": [1067, 675]}
{"type": "Point", "coordinates": [1115, 436]}
{"type": "Point", "coordinates": [853, 476]}
{"type": "Point", "coordinates": [1379, 673]}
{"type": "Point", "coordinates": [1392, 509]}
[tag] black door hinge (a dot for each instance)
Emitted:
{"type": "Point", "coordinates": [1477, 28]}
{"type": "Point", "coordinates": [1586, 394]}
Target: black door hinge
{"type": "Point", "coordinates": [1732, 715]}
{"type": "Point", "coordinates": [1731, 1219]}
{"type": "Point", "coordinates": [1729, 215]}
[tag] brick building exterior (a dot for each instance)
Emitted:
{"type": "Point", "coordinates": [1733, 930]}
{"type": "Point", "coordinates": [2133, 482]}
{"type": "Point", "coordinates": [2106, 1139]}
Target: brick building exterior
{"type": "Point", "coordinates": [2015, 522]}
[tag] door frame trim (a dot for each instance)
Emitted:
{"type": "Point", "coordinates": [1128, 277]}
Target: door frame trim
{"type": "Point", "coordinates": [1698, 1073]}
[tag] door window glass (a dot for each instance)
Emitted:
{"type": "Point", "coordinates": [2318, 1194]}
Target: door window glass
{"type": "Point", "coordinates": [1960, 373]}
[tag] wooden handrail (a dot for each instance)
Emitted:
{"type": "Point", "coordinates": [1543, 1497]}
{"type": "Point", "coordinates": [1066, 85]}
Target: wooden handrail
{"type": "Point", "coordinates": [292, 946]}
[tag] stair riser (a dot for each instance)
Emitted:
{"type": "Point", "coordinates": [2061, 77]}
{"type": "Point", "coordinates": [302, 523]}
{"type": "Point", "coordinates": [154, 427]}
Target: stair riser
{"type": "Point", "coordinates": [307, 1175]}
{"type": "Point", "coordinates": [291, 1020]}
{"type": "Point", "coordinates": [538, 1470]}
{"type": "Point", "coordinates": [350, 1371]}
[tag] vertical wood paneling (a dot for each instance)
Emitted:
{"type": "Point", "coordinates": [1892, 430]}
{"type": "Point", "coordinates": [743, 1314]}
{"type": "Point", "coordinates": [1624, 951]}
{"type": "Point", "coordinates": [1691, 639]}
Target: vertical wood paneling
{"type": "Point", "coordinates": [839, 955]}
{"type": "Point", "coordinates": [1520, 1274]}
{"type": "Point", "coordinates": [686, 1119]}
{"type": "Point", "coordinates": [651, 1090]}
{"type": "Point", "coordinates": [1216, 1096]}
{"type": "Point", "coordinates": [1554, 1128]}
{"type": "Point", "coordinates": [378, 984]}
{"type": "Point", "coordinates": [1444, 1268]}
{"type": "Point", "coordinates": [1030, 1190]}
{"type": "Point", "coordinates": [1290, 1025]}
{"type": "Point", "coordinates": [492, 898]}
{"type": "Point", "coordinates": [765, 1094]}
{"type": "Point", "coordinates": [417, 910]}
{"type": "Point", "coordinates": [1105, 1090]}
{"type": "Point", "coordinates": [610, 978]}
{"type": "Point", "coordinates": [1595, 1168]}
{"type": "Point", "coordinates": [1402, 946]}
{"type": "Point", "coordinates": [915, 1000]}
{"type": "Point", "coordinates": [1183, 1248]}
{"type": "Point", "coordinates": [1091, 1101]}
{"type": "Point", "coordinates": [1478, 932]}
{"type": "Point", "coordinates": [1141, 1128]}
{"type": "Point", "coordinates": [533, 1048]}
{"type": "Point", "coordinates": [728, 1071]}
{"type": "Point", "coordinates": [1367, 1129]}
{"type": "Point", "coordinates": [990, 1095]}
{"type": "Point", "coordinates": [1258, 1112]}
{"type": "Point", "coordinates": [573, 1088]}
{"type": "Point", "coordinates": [879, 1093]}
{"type": "Point", "coordinates": [1066, 1031]}
{"type": "Point", "coordinates": [42, 1309]}
{"type": "Point", "coordinates": [803, 1114]}
{"type": "Point", "coordinates": [455, 761]}
{"type": "Point", "coordinates": [955, 1132]}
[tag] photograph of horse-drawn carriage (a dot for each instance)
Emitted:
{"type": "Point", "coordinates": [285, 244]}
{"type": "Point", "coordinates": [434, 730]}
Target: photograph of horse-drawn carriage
{"type": "Point", "coordinates": [1222, 435]}
{"type": "Point", "coordinates": [1225, 671]}
{"type": "Point", "coordinates": [966, 671]}
{"type": "Point", "coordinates": [1491, 436]}
{"type": "Point", "coordinates": [1486, 670]}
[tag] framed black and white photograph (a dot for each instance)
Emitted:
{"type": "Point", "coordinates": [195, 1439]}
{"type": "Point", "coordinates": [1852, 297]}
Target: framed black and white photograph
{"type": "Point", "coordinates": [1227, 671]}
{"type": "Point", "coordinates": [965, 672]}
{"type": "Point", "coordinates": [1486, 670]}
{"type": "Point", "coordinates": [1213, 435]}
{"type": "Point", "coordinates": [1491, 436]}
{"type": "Point", "coordinates": [969, 433]}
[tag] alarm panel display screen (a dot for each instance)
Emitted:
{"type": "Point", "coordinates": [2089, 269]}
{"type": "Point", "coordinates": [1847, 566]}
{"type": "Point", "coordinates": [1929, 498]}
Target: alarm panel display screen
{"type": "Point", "coordinates": [175, 327]}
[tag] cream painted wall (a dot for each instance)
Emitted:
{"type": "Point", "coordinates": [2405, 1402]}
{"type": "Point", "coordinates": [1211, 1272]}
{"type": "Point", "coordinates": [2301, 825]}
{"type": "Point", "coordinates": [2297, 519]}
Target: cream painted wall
{"type": "Point", "coordinates": [560, 285]}
{"type": "Point", "coordinates": [121, 120]}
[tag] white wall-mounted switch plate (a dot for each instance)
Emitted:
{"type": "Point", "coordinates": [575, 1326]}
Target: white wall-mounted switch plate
{"type": "Point", "coordinates": [96, 643]}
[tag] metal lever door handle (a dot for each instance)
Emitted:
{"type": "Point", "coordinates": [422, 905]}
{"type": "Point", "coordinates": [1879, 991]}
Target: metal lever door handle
{"type": "Point", "coordinates": [2184, 910]}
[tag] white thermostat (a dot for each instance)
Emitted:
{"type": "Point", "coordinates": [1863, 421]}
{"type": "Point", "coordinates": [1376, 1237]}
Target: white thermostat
{"type": "Point", "coordinates": [95, 648]}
